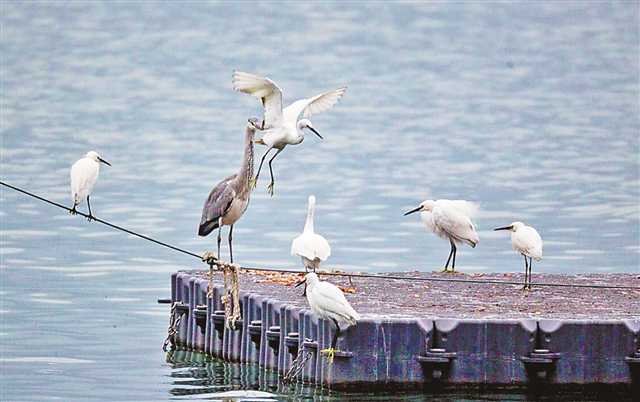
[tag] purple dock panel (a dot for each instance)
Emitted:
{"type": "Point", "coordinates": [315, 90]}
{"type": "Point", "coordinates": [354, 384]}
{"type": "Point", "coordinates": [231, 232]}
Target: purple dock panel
{"type": "Point", "coordinates": [215, 328]}
{"type": "Point", "coordinates": [289, 337]}
{"type": "Point", "coordinates": [192, 305]}
{"type": "Point", "coordinates": [232, 339]}
{"type": "Point", "coordinates": [198, 327]}
{"type": "Point", "coordinates": [250, 348]}
{"type": "Point", "coordinates": [309, 333]}
{"type": "Point", "coordinates": [376, 351]}
{"type": "Point", "coordinates": [271, 318]}
{"type": "Point", "coordinates": [487, 352]}
{"type": "Point", "coordinates": [182, 296]}
{"type": "Point", "coordinates": [591, 351]}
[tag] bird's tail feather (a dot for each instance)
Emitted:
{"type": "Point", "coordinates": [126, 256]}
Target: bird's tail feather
{"type": "Point", "coordinates": [207, 227]}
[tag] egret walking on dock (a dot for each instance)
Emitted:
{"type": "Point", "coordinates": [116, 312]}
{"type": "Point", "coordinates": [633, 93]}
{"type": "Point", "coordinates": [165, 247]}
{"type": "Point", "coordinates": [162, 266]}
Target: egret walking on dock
{"type": "Point", "coordinates": [84, 174]}
{"type": "Point", "coordinates": [230, 198]}
{"type": "Point", "coordinates": [311, 247]}
{"type": "Point", "coordinates": [282, 127]}
{"type": "Point", "coordinates": [526, 241]}
{"type": "Point", "coordinates": [327, 301]}
{"type": "Point", "coordinates": [451, 220]}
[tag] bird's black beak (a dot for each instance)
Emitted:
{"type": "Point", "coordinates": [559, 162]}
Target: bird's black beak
{"type": "Point", "coordinates": [301, 282]}
{"type": "Point", "coordinates": [315, 132]}
{"type": "Point", "coordinates": [505, 228]}
{"type": "Point", "coordinates": [413, 210]}
{"type": "Point", "coordinates": [103, 161]}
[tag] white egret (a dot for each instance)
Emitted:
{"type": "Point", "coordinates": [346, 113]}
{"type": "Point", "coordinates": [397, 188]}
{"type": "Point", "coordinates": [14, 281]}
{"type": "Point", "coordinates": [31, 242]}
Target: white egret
{"type": "Point", "coordinates": [451, 220]}
{"type": "Point", "coordinates": [84, 174]}
{"type": "Point", "coordinates": [282, 127]}
{"type": "Point", "coordinates": [327, 301]}
{"type": "Point", "coordinates": [526, 241]}
{"type": "Point", "coordinates": [230, 198]}
{"type": "Point", "coordinates": [311, 247]}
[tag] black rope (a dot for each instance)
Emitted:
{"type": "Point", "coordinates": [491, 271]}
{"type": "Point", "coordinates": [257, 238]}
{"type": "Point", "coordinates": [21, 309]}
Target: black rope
{"type": "Point", "coordinates": [102, 221]}
{"type": "Point", "coordinates": [353, 275]}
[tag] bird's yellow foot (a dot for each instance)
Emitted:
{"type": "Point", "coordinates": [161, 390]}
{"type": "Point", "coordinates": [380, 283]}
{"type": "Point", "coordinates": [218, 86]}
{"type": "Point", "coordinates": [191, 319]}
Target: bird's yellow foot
{"type": "Point", "coordinates": [253, 183]}
{"type": "Point", "coordinates": [209, 257]}
{"type": "Point", "coordinates": [73, 211]}
{"type": "Point", "coordinates": [330, 353]}
{"type": "Point", "coordinates": [445, 269]}
{"type": "Point", "coordinates": [91, 218]}
{"type": "Point", "coordinates": [270, 189]}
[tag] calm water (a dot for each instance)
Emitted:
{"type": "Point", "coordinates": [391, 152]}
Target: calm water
{"type": "Point", "coordinates": [531, 109]}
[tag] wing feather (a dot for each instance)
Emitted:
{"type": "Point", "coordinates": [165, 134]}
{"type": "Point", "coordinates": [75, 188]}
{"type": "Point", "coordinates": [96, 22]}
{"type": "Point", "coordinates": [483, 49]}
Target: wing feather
{"type": "Point", "coordinates": [314, 105]}
{"type": "Point", "coordinates": [328, 300]}
{"type": "Point", "coordinates": [264, 89]}
{"type": "Point", "coordinates": [216, 205]}
{"type": "Point", "coordinates": [311, 246]}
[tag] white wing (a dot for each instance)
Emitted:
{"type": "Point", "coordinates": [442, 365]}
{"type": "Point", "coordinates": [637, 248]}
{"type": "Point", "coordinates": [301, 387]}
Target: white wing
{"type": "Point", "coordinates": [84, 174]}
{"type": "Point", "coordinates": [314, 105]}
{"type": "Point", "coordinates": [311, 246]}
{"type": "Point", "coordinates": [455, 223]}
{"type": "Point", "coordinates": [527, 241]}
{"type": "Point", "coordinates": [326, 299]}
{"type": "Point", "coordinates": [427, 219]}
{"type": "Point", "coordinates": [468, 208]}
{"type": "Point", "coordinates": [265, 90]}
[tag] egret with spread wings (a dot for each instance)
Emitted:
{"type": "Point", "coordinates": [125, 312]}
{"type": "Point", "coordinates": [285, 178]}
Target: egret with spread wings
{"type": "Point", "coordinates": [286, 126]}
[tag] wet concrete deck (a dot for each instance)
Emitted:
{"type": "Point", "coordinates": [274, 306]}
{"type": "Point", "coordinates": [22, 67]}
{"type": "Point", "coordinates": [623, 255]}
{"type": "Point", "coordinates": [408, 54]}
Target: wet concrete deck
{"type": "Point", "coordinates": [399, 298]}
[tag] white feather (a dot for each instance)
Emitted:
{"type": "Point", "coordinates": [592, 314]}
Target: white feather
{"type": "Point", "coordinates": [311, 247]}
{"type": "Point", "coordinates": [328, 301]}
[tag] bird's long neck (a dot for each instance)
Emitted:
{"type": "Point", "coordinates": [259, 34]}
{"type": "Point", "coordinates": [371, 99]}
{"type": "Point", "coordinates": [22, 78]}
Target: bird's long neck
{"type": "Point", "coordinates": [246, 171]}
{"type": "Point", "coordinates": [308, 226]}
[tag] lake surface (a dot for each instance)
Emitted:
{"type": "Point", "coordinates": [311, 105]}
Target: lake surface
{"type": "Point", "coordinates": [529, 109]}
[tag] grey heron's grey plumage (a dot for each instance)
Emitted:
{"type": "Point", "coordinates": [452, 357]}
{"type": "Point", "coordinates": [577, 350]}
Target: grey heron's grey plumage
{"type": "Point", "coordinates": [230, 198]}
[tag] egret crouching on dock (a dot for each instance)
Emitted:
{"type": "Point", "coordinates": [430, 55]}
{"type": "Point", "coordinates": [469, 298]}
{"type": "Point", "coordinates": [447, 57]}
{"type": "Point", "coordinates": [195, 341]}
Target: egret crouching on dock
{"type": "Point", "coordinates": [230, 198]}
{"type": "Point", "coordinates": [311, 247]}
{"type": "Point", "coordinates": [282, 127]}
{"type": "Point", "coordinates": [327, 301]}
{"type": "Point", "coordinates": [84, 174]}
{"type": "Point", "coordinates": [526, 241]}
{"type": "Point", "coordinates": [451, 220]}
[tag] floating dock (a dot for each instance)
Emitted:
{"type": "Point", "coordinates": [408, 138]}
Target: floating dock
{"type": "Point", "coordinates": [417, 334]}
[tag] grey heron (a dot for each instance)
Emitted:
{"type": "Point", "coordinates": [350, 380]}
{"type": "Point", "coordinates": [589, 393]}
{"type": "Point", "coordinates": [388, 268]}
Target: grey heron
{"type": "Point", "coordinates": [230, 198]}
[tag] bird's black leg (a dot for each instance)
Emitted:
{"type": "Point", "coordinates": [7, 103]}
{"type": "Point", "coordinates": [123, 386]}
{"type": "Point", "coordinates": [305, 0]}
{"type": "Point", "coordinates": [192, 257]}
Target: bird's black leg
{"type": "Point", "coordinates": [530, 263]}
{"type": "Point", "coordinates": [336, 335]}
{"type": "Point", "coordinates": [230, 248]}
{"type": "Point", "coordinates": [260, 167]}
{"type": "Point", "coordinates": [526, 272]}
{"type": "Point", "coordinates": [453, 262]}
{"type": "Point", "coordinates": [73, 210]}
{"type": "Point", "coordinates": [219, 235]}
{"type": "Point", "coordinates": [270, 186]}
{"type": "Point", "coordinates": [89, 205]}
{"type": "Point", "coordinates": [446, 266]}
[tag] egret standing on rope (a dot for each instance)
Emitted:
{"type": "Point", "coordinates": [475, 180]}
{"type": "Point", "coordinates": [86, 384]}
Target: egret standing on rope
{"type": "Point", "coordinates": [230, 198]}
{"type": "Point", "coordinates": [282, 127]}
{"type": "Point", "coordinates": [311, 247]}
{"type": "Point", "coordinates": [327, 301]}
{"type": "Point", "coordinates": [451, 220]}
{"type": "Point", "coordinates": [84, 174]}
{"type": "Point", "coordinates": [526, 241]}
